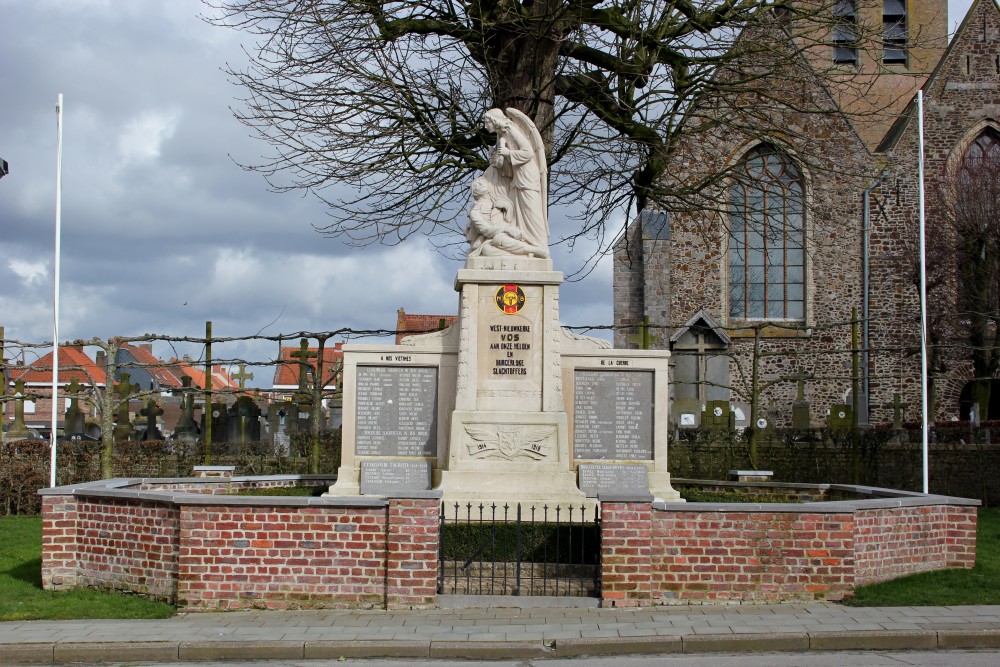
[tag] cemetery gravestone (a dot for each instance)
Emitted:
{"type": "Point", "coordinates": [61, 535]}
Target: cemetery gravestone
{"type": "Point", "coordinates": [151, 412]}
{"type": "Point", "coordinates": [123, 427]}
{"type": "Point", "coordinates": [801, 418]}
{"type": "Point", "coordinates": [186, 428]}
{"type": "Point", "coordinates": [717, 415]}
{"type": "Point", "coordinates": [840, 417]}
{"type": "Point", "coordinates": [18, 430]}
{"type": "Point", "coordinates": [74, 421]}
{"type": "Point", "coordinates": [687, 412]}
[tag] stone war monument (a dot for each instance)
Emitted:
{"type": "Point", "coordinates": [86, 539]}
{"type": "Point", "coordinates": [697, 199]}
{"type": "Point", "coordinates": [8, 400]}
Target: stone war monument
{"type": "Point", "coordinates": [506, 405]}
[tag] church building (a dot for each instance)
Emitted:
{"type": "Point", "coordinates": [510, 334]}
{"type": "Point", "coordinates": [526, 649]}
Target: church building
{"type": "Point", "coordinates": [802, 279]}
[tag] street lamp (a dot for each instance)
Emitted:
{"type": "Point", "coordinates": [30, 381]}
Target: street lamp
{"type": "Point", "coordinates": [4, 168]}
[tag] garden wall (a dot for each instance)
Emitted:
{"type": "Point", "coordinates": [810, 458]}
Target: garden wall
{"type": "Point", "coordinates": [717, 553]}
{"type": "Point", "coordinates": [207, 551]}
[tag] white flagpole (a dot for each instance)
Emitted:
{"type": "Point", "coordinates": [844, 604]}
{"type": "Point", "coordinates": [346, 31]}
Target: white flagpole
{"type": "Point", "coordinates": [55, 295]}
{"type": "Point", "coordinates": [924, 419]}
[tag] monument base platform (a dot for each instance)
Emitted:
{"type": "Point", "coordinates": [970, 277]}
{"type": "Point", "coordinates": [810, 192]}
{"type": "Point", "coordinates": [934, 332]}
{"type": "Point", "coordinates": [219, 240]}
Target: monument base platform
{"type": "Point", "coordinates": [488, 488]}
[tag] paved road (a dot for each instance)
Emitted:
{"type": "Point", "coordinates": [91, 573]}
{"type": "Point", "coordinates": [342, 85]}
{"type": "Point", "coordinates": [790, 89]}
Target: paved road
{"type": "Point", "coordinates": [519, 634]}
{"type": "Point", "coordinates": [825, 659]}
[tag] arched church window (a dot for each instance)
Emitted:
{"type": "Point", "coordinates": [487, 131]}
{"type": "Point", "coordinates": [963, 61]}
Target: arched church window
{"type": "Point", "coordinates": [894, 32]}
{"type": "Point", "coordinates": [985, 150]}
{"type": "Point", "coordinates": [766, 238]}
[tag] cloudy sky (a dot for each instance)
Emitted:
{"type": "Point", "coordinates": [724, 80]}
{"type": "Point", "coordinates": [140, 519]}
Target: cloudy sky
{"type": "Point", "coordinates": [161, 230]}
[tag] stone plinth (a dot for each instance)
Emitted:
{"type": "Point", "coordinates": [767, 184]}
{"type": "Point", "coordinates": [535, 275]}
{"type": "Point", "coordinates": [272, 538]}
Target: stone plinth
{"type": "Point", "coordinates": [509, 433]}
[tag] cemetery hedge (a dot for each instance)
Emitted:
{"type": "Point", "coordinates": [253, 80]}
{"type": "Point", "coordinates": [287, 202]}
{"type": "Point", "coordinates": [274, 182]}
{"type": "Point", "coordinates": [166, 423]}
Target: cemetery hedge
{"type": "Point", "coordinates": [24, 464]}
{"type": "Point", "coordinates": [962, 459]}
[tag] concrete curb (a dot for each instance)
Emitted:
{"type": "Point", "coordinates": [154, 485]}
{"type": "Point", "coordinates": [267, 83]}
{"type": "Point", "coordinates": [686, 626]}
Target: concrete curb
{"type": "Point", "coordinates": [231, 649]}
{"type": "Point", "coordinates": [572, 648]}
{"type": "Point", "coordinates": [873, 640]}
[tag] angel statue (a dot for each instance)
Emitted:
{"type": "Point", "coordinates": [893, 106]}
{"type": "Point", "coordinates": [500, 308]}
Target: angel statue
{"type": "Point", "coordinates": [516, 187]}
{"type": "Point", "coordinates": [490, 232]}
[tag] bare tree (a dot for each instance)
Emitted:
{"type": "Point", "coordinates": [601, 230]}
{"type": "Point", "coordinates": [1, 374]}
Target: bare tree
{"type": "Point", "coordinates": [385, 98]}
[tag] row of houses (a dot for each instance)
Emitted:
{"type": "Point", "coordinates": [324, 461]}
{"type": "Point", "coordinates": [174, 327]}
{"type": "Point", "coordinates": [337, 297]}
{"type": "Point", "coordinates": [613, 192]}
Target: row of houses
{"type": "Point", "coordinates": [29, 386]}
{"type": "Point", "coordinates": [165, 381]}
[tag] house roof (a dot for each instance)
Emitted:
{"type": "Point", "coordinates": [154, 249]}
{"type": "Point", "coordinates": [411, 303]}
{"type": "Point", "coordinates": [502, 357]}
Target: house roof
{"type": "Point", "coordinates": [167, 378]}
{"type": "Point", "coordinates": [73, 364]}
{"type": "Point", "coordinates": [410, 324]}
{"type": "Point", "coordinates": [220, 378]}
{"type": "Point", "coordinates": [286, 373]}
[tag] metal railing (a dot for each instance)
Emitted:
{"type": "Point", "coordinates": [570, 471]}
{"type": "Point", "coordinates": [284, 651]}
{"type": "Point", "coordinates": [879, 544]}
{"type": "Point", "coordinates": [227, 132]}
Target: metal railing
{"type": "Point", "coordinates": [492, 550]}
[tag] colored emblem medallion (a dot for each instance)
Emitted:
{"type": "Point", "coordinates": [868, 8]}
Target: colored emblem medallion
{"type": "Point", "coordinates": [510, 299]}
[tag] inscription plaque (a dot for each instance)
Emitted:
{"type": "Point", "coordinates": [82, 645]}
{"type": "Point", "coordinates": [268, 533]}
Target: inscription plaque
{"type": "Point", "coordinates": [613, 415]}
{"type": "Point", "coordinates": [396, 411]}
{"type": "Point", "coordinates": [381, 477]}
{"type": "Point", "coordinates": [610, 478]}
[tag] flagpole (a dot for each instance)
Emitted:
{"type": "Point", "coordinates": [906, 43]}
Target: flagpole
{"type": "Point", "coordinates": [55, 295]}
{"type": "Point", "coordinates": [924, 417]}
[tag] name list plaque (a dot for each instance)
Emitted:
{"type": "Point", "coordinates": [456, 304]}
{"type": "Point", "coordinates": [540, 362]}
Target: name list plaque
{"type": "Point", "coordinates": [613, 415]}
{"type": "Point", "coordinates": [396, 411]}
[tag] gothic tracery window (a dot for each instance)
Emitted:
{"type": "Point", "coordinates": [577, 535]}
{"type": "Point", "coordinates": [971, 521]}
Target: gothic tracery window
{"type": "Point", "coordinates": [766, 238]}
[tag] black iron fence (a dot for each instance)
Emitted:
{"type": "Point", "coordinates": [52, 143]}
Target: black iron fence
{"type": "Point", "coordinates": [515, 550]}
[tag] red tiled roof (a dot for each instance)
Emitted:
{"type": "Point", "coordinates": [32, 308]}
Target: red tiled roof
{"type": "Point", "coordinates": [220, 378]}
{"type": "Point", "coordinates": [73, 364]}
{"type": "Point", "coordinates": [286, 373]}
{"type": "Point", "coordinates": [408, 325]}
{"type": "Point", "coordinates": [164, 376]}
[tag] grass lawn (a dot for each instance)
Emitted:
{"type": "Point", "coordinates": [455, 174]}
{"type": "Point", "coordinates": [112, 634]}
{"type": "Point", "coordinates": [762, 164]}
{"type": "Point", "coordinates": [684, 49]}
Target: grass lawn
{"type": "Point", "coordinates": [980, 585]}
{"type": "Point", "coordinates": [21, 594]}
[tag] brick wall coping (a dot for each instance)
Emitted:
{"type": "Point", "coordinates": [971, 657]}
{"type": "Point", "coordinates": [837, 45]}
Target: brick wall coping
{"type": "Point", "coordinates": [121, 488]}
{"type": "Point", "coordinates": [619, 497]}
{"type": "Point", "coordinates": [877, 499]}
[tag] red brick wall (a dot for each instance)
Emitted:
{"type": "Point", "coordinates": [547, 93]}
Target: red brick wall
{"type": "Point", "coordinates": [281, 557]}
{"type": "Point", "coordinates": [414, 538]}
{"type": "Point", "coordinates": [673, 556]}
{"type": "Point", "coordinates": [895, 542]}
{"type": "Point", "coordinates": [109, 543]}
{"type": "Point", "coordinates": [59, 542]}
{"type": "Point", "coordinates": [245, 555]}
{"type": "Point", "coordinates": [626, 547]}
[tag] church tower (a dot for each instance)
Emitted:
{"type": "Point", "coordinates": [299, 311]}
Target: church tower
{"type": "Point", "coordinates": [882, 52]}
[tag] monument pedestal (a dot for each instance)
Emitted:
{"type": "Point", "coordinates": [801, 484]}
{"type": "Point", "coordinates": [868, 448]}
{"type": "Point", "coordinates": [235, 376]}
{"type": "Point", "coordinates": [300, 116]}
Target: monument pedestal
{"type": "Point", "coordinates": [509, 434]}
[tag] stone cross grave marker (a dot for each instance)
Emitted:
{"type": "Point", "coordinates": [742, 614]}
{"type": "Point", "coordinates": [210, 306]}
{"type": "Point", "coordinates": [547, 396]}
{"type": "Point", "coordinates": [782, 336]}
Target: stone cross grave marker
{"type": "Point", "coordinates": [897, 406]}
{"type": "Point", "coordinates": [303, 396]}
{"type": "Point", "coordinates": [186, 427]}
{"type": "Point", "coordinates": [123, 390]}
{"type": "Point", "coordinates": [151, 412]}
{"type": "Point", "coordinates": [18, 431]}
{"type": "Point", "coordinates": [800, 407]}
{"type": "Point", "coordinates": [243, 376]}
{"type": "Point", "coordinates": [74, 421]}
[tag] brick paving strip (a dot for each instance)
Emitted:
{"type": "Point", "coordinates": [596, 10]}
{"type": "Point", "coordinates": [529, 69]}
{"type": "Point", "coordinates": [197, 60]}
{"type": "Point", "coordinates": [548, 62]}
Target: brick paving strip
{"type": "Point", "coordinates": [527, 632]}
